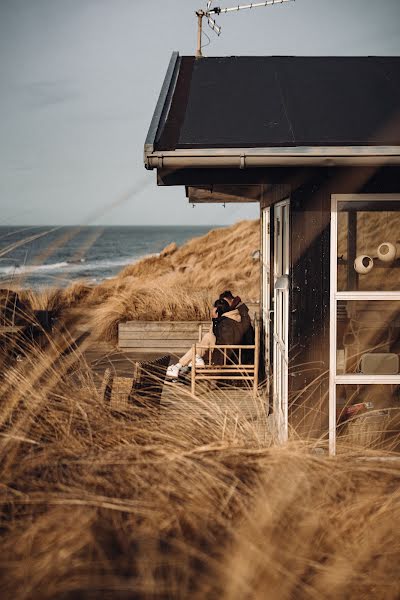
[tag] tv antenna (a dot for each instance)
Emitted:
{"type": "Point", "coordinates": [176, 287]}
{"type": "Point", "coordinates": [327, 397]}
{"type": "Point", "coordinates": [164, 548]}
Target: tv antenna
{"type": "Point", "coordinates": [209, 12]}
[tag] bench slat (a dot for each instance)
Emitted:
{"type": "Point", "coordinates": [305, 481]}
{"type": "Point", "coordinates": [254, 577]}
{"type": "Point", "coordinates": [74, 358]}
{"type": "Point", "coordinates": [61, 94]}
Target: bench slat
{"type": "Point", "coordinates": [153, 351]}
{"type": "Point", "coordinates": [160, 327]}
{"type": "Point", "coordinates": [159, 336]}
{"type": "Point", "coordinates": [155, 344]}
{"type": "Point", "coordinates": [155, 335]}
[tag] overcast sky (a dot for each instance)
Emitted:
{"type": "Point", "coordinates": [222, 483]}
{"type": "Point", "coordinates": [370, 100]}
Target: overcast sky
{"type": "Point", "coordinates": [79, 80]}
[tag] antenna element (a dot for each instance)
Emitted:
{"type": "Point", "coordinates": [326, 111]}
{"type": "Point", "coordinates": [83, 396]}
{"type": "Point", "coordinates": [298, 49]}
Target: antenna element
{"type": "Point", "coordinates": [217, 10]}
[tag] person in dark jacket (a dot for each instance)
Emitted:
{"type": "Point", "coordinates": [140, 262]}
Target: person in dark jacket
{"type": "Point", "coordinates": [247, 328]}
{"type": "Point", "coordinates": [227, 328]}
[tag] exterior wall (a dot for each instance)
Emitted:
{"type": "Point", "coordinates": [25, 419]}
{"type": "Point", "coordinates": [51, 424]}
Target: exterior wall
{"type": "Point", "coordinates": [310, 288]}
{"type": "Point", "coordinates": [310, 193]}
{"type": "Point", "coordinates": [309, 309]}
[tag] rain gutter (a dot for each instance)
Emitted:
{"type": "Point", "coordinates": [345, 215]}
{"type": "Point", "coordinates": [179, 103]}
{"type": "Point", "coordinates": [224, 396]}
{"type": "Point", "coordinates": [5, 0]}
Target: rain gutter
{"type": "Point", "coordinates": [243, 158]}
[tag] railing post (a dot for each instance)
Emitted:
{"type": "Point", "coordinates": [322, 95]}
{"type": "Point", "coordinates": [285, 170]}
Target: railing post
{"type": "Point", "coordinates": [193, 369]}
{"type": "Point", "coordinates": [256, 355]}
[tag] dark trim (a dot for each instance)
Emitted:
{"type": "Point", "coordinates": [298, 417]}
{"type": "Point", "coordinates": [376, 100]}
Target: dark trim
{"type": "Point", "coordinates": [275, 193]}
{"type": "Point", "coordinates": [170, 129]}
{"type": "Point", "coordinates": [224, 193]}
{"type": "Point", "coordinates": [352, 275]}
{"type": "Point", "coordinates": [160, 110]}
{"type": "Point", "coordinates": [369, 205]}
{"type": "Point", "coordinates": [212, 176]}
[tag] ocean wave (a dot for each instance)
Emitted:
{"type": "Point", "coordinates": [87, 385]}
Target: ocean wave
{"type": "Point", "coordinates": [67, 266]}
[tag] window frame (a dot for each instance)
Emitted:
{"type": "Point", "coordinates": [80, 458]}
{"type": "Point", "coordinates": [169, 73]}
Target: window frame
{"type": "Point", "coordinates": [335, 296]}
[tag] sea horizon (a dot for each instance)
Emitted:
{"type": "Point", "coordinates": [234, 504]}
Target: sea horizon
{"type": "Point", "coordinates": [36, 256]}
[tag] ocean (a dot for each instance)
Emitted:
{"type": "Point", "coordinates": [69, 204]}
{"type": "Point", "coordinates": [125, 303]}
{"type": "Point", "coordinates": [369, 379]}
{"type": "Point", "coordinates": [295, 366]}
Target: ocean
{"type": "Point", "coordinates": [56, 256]}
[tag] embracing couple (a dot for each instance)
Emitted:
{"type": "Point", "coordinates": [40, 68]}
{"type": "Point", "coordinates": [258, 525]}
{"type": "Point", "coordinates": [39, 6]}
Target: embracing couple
{"type": "Point", "coordinates": [231, 326]}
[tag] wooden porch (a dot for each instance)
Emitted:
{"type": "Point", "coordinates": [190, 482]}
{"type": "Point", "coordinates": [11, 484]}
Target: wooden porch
{"type": "Point", "coordinates": [230, 402]}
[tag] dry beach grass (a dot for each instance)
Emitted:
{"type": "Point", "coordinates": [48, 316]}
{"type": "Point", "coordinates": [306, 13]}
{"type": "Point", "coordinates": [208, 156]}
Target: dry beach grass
{"type": "Point", "coordinates": [97, 503]}
{"type": "Point", "coordinates": [180, 504]}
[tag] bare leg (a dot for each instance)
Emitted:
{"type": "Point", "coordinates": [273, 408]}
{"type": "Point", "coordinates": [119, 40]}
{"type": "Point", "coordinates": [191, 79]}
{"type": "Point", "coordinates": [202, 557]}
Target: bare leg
{"type": "Point", "coordinates": [208, 341]}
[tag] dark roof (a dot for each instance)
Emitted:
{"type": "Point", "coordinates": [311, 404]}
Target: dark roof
{"type": "Point", "coordinates": [261, 102]}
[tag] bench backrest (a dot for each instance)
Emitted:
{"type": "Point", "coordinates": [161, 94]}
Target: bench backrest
{"type": "Point", "coordinates": [174, 337]}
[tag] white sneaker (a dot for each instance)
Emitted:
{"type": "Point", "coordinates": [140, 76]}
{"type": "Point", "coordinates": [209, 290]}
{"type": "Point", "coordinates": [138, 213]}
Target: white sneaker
{"type": "Point", "coordinates": [199, 362]}
{"type": "Point", "coordinates": [173, 370]}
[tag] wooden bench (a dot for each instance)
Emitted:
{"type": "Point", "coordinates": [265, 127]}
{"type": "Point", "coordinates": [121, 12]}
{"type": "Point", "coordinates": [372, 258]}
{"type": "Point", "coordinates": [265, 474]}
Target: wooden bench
{"type": "Point", "coordinates": [231, 370]}
{"type": "Point", "coordinates": [159, 337]}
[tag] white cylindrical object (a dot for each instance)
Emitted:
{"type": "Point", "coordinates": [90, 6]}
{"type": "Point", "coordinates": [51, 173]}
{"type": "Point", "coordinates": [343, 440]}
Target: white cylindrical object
{"type": "Point", "coordinates": [387, 252]}
{"type": "Point", "coordinates": [363, 264]}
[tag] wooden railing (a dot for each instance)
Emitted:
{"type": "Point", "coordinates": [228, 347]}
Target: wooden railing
{"type": "Point", "coordinates": [232, 369]}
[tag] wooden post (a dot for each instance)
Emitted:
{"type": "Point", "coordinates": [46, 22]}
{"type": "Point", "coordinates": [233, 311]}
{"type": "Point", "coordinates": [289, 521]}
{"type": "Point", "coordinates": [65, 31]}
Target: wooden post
{"type": "Point", "coordinates": [352, 275]}
{"type": "Point", "coordinates": [193, 369]}
{"type": "Point", "coordinates": [256, 355]}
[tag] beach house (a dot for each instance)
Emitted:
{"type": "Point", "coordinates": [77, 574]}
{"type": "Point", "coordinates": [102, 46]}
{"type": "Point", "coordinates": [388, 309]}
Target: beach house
{"type": "Point", "coordinates": [316, 142]}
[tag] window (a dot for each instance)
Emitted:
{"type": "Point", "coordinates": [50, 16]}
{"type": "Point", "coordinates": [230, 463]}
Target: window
{"type": "Point", "coordinates": [365, 319]}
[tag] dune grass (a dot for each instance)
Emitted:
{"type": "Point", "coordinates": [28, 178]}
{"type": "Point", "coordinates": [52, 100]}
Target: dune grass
{"type": "Point", "coordinates": [182, 503]}
{"type": "Point", "coordinates": [188, 502]}
{"type": "Point", "coordinates": [178, 284]}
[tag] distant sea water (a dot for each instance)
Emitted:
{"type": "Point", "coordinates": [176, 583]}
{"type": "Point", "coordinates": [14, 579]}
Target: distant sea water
{"type": "Point", "coordinates": [49, 256]}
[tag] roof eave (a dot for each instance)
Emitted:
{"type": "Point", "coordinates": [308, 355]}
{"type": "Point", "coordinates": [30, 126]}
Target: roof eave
{"type": "Point", "coordinates": [242, 158]}
{"type": "Point", "coordinates": [162, 103]}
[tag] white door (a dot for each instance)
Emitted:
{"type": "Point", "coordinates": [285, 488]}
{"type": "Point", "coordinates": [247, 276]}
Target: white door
{"type": "Point", "coordinates": [281, 319]}
{"type": "Point", "coordinates": [265, 283]}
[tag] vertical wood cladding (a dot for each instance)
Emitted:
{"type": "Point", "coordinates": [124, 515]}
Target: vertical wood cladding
{"type": "Point", "coordinates": [309, 306]}
{"type": "Point", "coordinates": [310, 285]}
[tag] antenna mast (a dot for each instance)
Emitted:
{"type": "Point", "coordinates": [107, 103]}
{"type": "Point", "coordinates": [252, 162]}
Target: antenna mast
{"type": "Point", "coordinates": [200, 15]}
{"type": "Point", "coordinates": [217, 10]}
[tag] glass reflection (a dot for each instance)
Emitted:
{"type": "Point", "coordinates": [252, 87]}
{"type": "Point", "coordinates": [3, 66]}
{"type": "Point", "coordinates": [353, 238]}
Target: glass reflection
{"type": "Point", "coordinates": [368, 416]}
{"type": "Point", "coordinates": [369, 246]}
{"type": "Point", "coordinates": [368, 337]}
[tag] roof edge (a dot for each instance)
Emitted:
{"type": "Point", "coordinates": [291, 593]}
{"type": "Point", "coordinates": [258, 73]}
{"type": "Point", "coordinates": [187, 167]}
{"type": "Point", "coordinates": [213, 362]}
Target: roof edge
{"type": "Point", "coordinates": [242, 158]}
{"type": "Point", "coordinates": [158, 112]}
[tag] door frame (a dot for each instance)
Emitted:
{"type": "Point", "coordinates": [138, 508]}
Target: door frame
{"type": "Point", "coordinates": [266, 288]}
{"type": "Point", "coordinates": [281, 271]}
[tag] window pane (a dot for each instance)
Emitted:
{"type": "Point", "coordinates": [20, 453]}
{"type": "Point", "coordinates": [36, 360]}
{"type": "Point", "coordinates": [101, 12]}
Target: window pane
{"type": "Point", "coordinates": [368, 337]}
{"type": "Point", "coordinates": [368, 416]}
{"type": "Point", "coordinates": [369, 246]}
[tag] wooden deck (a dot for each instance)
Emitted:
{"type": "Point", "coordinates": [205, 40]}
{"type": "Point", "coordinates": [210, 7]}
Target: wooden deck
{"type": "Point", "coordinates": [231, 403]}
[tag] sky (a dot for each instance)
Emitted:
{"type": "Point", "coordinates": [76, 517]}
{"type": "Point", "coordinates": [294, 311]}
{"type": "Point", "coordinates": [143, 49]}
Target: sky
{"type": "Point", "coordinates": [79, 81]}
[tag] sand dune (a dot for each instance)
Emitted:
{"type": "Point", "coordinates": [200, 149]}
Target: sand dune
{"type": "Point", "coordinates": [179, 284]}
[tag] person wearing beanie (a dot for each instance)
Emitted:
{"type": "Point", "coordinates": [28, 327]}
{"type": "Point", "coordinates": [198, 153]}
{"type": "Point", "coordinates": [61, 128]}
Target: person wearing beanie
{"type": "Point", "coordinates": [225, 330]}
{"type": "Point", "coordinates": [247, 329]}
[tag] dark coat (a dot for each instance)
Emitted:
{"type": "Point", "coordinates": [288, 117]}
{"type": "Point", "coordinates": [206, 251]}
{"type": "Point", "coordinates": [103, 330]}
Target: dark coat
{"type": "Point", "coordinates": [248, 336]}
{"type": "Point", "coordinates": [246, 325]}
{"type": "Point", "coordinates": [227, 332]}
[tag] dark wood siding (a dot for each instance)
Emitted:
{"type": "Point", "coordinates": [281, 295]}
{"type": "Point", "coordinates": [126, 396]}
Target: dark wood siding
{"type": "Point", "coordinates": [310, 286]}
{"type": "Point", "coordinates": [310, 192]}
{"type": "Point", "coordinates": [309, 307]}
